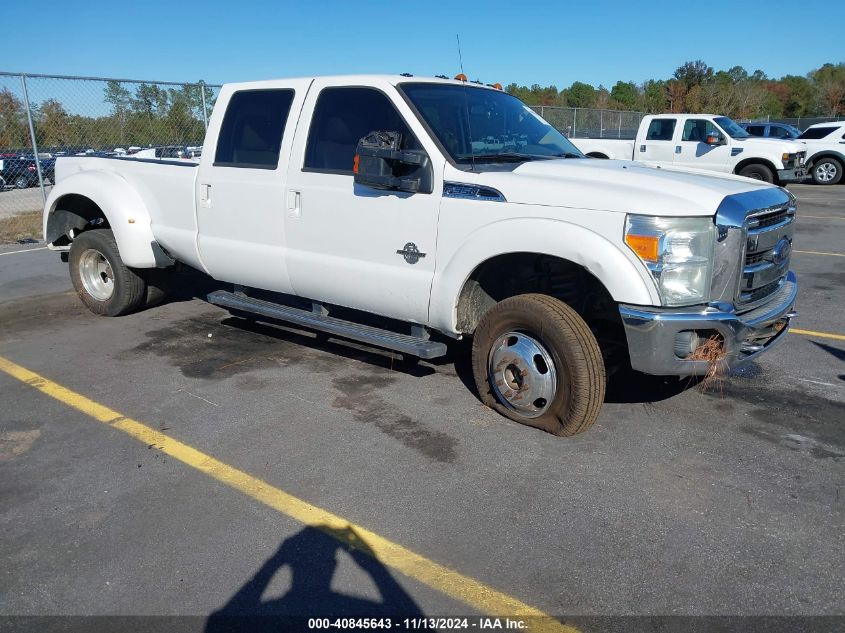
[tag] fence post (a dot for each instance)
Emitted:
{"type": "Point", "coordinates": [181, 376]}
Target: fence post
{"type": "Point", "coordinates": [601, 123]}
{"type": "Point", "coordinates": [619, 131]}
{"type": "Point", "coordinates": [204, 109]}
{"type": "Point", "coordinates": [32, 138]}
{"type": "Point", "coordinates": [542, 111]}
{"type": "Point", "coordinates": [574, 121]}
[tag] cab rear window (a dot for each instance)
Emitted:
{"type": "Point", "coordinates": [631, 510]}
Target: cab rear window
{"type": "Point", "coordinates": [251, 134]}
{"type": "Point", "coordinates": [660, 130]}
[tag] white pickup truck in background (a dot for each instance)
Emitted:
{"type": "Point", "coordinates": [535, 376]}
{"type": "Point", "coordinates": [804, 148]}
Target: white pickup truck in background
{"type": "Point", "coordinates": [455, 211]}
{"type": "Point", "coordinates": [704, 141]}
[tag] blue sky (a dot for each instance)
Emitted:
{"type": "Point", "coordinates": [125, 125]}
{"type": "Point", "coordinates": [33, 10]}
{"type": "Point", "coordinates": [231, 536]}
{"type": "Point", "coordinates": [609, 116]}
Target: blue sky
{"type": "Point", "coordinates": [528, 41]}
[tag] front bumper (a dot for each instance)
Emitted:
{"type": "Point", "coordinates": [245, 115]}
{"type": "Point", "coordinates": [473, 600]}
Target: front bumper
{"type": "Point", "coordinates": [796, 174]}
{"type": "Point", "coordinates": [652, 332]}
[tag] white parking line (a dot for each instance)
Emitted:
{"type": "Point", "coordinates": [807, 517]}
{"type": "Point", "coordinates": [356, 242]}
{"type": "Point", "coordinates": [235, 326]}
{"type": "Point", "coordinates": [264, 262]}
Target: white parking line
{"type": "Point", "coordinates": [26, 250]}
{"type": "Point", "coordinates": [818, 382]}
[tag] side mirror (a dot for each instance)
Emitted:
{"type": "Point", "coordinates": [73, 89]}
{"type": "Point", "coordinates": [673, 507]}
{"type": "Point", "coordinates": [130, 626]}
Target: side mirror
{"type": "Point", "coordinates": [714, 139]}
{"type": "Point", "coordinates": [382, 164]}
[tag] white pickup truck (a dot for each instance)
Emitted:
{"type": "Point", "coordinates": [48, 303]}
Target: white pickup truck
{"type": "Point", "coordinates": [708, 142]}
{"type": "Point", "coordinates": [455, 211]}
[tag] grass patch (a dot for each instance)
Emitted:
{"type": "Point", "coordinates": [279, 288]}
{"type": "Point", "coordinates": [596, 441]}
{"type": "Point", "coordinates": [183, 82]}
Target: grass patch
{"type": "Point", "coordinates": [18, 228]}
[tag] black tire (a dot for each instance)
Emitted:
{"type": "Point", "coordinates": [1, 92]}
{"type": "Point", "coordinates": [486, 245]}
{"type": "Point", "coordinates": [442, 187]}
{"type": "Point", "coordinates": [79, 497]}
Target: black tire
{"type": "Point", "coordinates": [579, 372]}
{"type": "Point", "coordinates": [758, 172]}
{"type": "Point", "coordinates": [21, 182]}
{"type": "Point", "coordinates": [127, 290]}
{"type": "Point", "coordinates": [827, 171]}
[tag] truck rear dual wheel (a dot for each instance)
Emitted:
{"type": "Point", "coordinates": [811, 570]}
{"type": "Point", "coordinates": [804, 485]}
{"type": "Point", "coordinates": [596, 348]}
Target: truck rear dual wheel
{"type": "Point", "coordinates": [103, 282]}
{"type": "Point", "coordinates": [827, 171]}
{"type": "Point", "coordinates": [536, 362]}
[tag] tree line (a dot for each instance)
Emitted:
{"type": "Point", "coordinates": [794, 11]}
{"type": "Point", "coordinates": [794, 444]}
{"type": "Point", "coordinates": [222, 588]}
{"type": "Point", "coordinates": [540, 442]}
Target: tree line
{"type": "Point", "coordinates": [148, 115]}
{"type": "Point", "coordinates": [697, 87]}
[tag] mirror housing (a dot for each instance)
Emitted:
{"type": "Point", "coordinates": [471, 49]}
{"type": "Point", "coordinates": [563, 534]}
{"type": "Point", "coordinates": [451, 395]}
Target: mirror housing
{"type": "Point", "coordinates": [714, 139]}
{"type": "Point", "coordinates": [380, 163]}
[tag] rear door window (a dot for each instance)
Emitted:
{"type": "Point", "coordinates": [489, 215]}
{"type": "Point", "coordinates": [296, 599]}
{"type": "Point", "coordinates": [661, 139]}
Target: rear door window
{"type": "Point", "coordinates": [660, 130]}
{"type": "Point", "coordinates": [816, 132]}
{"type": "Point", "coordinates": [344, 115]}
{"type": "Point", "coordinates": [251, 133]}
{"type": "Point", "coordinates": [757, 130]}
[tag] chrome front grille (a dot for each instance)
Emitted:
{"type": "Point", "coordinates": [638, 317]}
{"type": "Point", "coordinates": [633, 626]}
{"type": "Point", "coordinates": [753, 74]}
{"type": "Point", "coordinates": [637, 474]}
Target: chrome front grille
{"type": "Point", "coordinates": [768, 218]}
{"type": "Point", "coordinates": [753, 244]}
{"type": "Point", "coordinates": [767, 249]}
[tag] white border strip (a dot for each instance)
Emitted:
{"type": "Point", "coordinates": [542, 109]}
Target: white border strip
{"type": "Point", "coordinates": [26, 250]}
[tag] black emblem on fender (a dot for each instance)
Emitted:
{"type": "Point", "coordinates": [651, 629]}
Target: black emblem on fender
{"type": "Point", "coordinates": [411, 253]}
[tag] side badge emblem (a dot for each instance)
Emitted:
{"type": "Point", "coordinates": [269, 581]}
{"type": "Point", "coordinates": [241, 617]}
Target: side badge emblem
{"type": "Point", "coordinates": [411, 253]}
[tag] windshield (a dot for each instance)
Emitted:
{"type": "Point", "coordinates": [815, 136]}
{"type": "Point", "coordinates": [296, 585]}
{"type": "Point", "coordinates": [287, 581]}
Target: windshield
{"type": "Point", "coordinates": [477, 124]}
{"type": "Point", "coordinates": [732, 129]}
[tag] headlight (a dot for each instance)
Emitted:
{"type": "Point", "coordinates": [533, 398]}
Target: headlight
{"type": "Point", "coordinates": [678, 252]}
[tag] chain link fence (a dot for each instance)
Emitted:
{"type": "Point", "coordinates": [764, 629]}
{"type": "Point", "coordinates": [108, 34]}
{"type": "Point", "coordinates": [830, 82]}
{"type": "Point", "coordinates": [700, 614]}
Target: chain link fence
{"type": "Point", "coordinates": [591, 122]}
{"type": "Point", "coordinates": [44, 117]}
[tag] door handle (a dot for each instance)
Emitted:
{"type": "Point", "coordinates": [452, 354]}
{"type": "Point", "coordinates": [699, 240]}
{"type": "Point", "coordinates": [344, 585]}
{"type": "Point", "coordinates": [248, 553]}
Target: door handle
{"type": "Point", "coordinates": [677, 149]}
{"type": "Point", "coordinates": [642, 148]}
{"type": "Point", "coordinates": [294, 204]}
{"type": "Point", "coordinates": [205, 196]}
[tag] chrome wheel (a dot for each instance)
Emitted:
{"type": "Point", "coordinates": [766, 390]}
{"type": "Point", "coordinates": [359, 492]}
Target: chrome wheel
{"type": "Point", "coordinates": [522, 374]}
{"type": "Point", "coordinates": [96, 274]}
{"type": "Point", "coordinates": [826, 172]}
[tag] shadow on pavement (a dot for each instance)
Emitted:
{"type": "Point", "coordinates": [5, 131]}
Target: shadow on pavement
{"type": "Point", "coordinates": [312, 556]}
{"type": "Point", "coordinates": [836, 352]}
{"type": "Point", "coordinates": [631, 387]}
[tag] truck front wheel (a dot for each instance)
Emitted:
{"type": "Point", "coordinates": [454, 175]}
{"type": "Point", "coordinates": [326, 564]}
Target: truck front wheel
{"type": "Point", "coordinates": [536, 362]}
{"type": "Point", "coordinates": [758, 172]}
{"type": "Point", "coordinates": [103, 282]}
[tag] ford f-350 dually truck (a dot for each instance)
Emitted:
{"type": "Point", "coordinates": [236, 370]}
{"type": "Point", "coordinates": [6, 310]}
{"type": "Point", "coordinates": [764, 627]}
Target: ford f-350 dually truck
{"type": "Point", "coordinates": [455, 211]}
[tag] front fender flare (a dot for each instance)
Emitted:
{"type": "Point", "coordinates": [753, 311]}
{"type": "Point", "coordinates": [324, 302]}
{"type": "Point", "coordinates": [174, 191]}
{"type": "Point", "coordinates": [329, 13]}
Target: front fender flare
{"type": "Point", "coordinates": [624, 277]}
{"type": "Point", "coordinates": [122, 206]}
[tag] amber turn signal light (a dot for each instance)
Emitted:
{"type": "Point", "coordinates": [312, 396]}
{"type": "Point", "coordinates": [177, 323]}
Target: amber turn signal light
{"type": "Point", "coordinates": [645, 246]}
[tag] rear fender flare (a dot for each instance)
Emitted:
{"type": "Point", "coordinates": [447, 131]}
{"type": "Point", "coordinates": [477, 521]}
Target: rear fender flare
{"type": "Point", "coordinates": [123, 208]}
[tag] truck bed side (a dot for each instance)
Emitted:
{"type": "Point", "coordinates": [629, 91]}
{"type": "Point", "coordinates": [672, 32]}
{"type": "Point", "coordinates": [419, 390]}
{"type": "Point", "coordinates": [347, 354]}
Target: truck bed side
{"type": "Point", "coordinates": [136, 196]}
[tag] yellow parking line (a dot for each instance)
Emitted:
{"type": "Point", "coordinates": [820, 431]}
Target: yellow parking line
{"type": "Point", "coordinates": [820, 253]}
{"type": "Point", "coordinates": [463, 588]}
{"type": "Point", "coordinates": [838, 337]}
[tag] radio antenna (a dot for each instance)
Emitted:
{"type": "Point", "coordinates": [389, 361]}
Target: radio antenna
{"type": "Point", "coordinates": [466, 102]}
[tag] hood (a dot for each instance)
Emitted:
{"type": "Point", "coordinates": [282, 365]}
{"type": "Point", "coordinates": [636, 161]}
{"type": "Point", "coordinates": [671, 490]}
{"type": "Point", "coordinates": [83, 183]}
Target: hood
{"type": "Point", "coordinates": [613, 185]}
{"type": "Point", "coordinates": [780, 145]}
